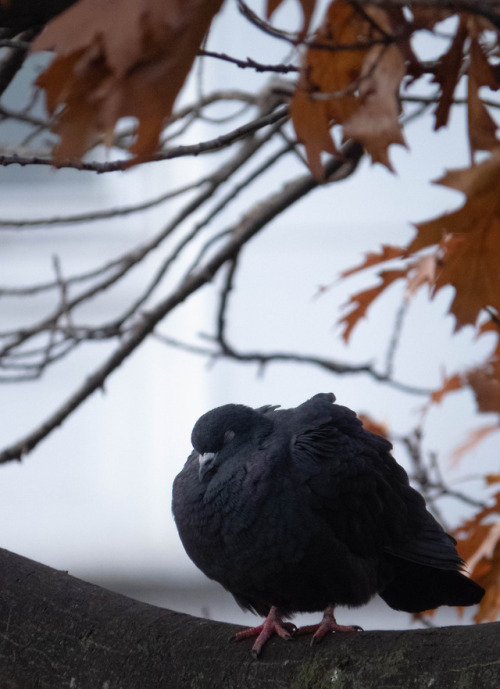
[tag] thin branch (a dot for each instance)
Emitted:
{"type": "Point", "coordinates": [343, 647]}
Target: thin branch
{"type": "Point", "coordinates": [295, 40]}
{"type": "Point", "coordinates": [14, 60]}
{"type": "Point", "coordinates": [490, 9]}
{"type": "Point", "coordinates": [397, 330]}
{"type": "Point", "coordinates": [101, 215]}
{"type": "Point", "coordinates": [249, 63]}
{"type": "Point", "coordinates": [220, 206]}
{"type": "Point", "coordinates": [263, 358]}
{"type": "Point", "coordinates": [209, 146]}
{"type": "Point", "coordinates": [248, 227]}
{"type": "Point", "coordinates": [116, 269]}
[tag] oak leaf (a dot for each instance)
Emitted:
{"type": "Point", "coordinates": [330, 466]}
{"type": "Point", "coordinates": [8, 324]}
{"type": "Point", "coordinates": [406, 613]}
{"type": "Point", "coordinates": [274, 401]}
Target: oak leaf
{"type": "Point", "coordinates": [447, 74]}
{"type": "Point", "coordinates": [325, 93]}
{"type": "Point", "coordinates": [478, 543]}
{"type": "Point", "coordinates": [351, 69]}
{"type": "Point", "coordinates": [450, 384]}
{"type": "Point", "coordinates": [372, 258]}
{"type": "Point", "coordinates": [417, 273]}
{"type": "Point", "coordinates": [360, 302]}
{"type": "Point", "coordinates": [374, 426]}
{"type": "Point", "coordinates": [486, 386]}
{"type": "Point", "coordinates": [482, 128]}
{"type": "Point", "coordinates": [119, 58]}
{"type": "Point", "coordinates": [468, 241]}
{"type": "Point", "coordinates": [427, 17]}
{"type": "Point", "coordinates": [472, 441]}
{"type": "Point", "coordinates": [423, 273]}
{"type": "Point", "coordinates": [376, 122]}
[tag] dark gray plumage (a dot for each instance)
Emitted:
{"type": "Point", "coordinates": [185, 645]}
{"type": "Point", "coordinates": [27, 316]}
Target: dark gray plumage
{"type": "Point", "coordinates": [300, 510]}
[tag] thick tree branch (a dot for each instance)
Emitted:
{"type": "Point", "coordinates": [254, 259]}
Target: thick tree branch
{"type": "Point", "coordinates": [58, 632]}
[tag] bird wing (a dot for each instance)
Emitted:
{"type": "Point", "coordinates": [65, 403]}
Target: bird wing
{"type": "Point", "coordinates": [364, 495]}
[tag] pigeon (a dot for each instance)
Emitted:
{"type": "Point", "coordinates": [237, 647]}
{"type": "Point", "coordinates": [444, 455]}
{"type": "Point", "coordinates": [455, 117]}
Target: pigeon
{"type": "Point", "coordinates": [302, 510]}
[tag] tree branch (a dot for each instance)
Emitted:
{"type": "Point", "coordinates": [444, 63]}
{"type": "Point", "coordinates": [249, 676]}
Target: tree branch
{"type": "Point", "coordinates": [58, 632]}
{"type": "Point", "coordinates": [240, 234]}
{"type": "Point", "coordinates": [210, 146]}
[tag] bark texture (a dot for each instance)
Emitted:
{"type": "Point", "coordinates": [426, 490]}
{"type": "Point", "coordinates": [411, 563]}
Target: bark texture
{"type": "Point", "coordinates": [59, 632]}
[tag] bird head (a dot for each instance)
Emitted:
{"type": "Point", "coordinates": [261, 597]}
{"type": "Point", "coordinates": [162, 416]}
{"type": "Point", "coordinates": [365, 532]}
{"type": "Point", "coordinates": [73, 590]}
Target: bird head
{"type": "Point", "coordinates": [218, 434]}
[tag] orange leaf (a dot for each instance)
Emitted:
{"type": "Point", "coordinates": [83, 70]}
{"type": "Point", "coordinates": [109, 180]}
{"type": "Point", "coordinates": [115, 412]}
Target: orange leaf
{"type": "Point", "coordinates": [450, 384]}
{"type": "Point", "coordinates": [363, 300]}
{"type": "Point", "coordinates": [478, 543]}
{"type": "Point", "coordinates": [482, 127]}
{"type": "Point", "coordinates": [469, 241]}
{"type": "Point", "coordinates": [423, 272]}
{"type": "Point", "coordinates": [338, 82]}
{"type": "Point", "coordinates": [486, 389]}
{"type": "Point", "coordinates": [427, 17]}
{"type": "Point", "coordinates": [447, 74]}
{"type": "Point", "coordinates": [387, 253]}
{"type": "Point", "coordinates": [376, 123]}
{"type": "Point", "coordinates": [488, 571]}
{"type": "Point", "coordinates": [119, 59]}
{"type": "Point", "coordinates": [311, 123]}
{"type": "Point", "coordinates": [473, 439]}
{"type": "Point", "coordinates": [377, 427]}
{"type": "Point", "coordinates": [333, 75]}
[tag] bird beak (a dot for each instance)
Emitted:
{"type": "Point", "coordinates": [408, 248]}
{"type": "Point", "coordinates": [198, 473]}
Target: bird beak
{"type": "Point", "coordinates": [206, 461]}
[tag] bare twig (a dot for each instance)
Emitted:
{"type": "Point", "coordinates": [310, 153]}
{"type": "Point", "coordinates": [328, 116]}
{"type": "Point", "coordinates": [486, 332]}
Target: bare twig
{"type": "Point", "coordinates": [241, 234]}
{"type": "Point", "coordinates": [101, 215]}
{"type": "Point", "coordinates": [249, 63]}
{"type": "Point", "coordinates": [210, 146]}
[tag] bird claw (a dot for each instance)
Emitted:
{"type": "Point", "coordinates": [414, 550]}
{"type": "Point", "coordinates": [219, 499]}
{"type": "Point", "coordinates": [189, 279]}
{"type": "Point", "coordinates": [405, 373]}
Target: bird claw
{"type": "Point", "coordinates": [327, 625]}
{"type": "Point", "coordinates": [273, 624]}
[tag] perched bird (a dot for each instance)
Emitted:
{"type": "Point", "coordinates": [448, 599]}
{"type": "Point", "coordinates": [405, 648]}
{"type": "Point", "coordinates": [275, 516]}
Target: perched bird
{"type": "Point", "coordinates": [301, 510]}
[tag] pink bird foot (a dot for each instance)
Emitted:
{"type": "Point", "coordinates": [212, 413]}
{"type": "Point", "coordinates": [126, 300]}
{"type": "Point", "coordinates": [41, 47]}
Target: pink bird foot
{"type": "Point", "coordinates": [328, 624]}
{"type": "Point", "coordinates": [273, 624]}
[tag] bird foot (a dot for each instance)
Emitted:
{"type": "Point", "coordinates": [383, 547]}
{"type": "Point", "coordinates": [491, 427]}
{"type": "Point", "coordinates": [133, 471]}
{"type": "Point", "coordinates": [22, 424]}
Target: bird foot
{"type": "Point", "coordinates": [273, 624]}
{"type": "Point", "coordinates": [327, 625]}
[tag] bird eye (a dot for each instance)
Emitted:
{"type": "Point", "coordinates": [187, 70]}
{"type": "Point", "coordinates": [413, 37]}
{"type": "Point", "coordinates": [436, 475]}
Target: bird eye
{"type": "Point", "coordinates": [228, 436]}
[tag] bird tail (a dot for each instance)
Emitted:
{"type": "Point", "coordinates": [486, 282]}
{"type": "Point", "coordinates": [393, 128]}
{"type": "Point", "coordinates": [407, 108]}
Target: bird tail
{"type": "Point", "coordinates": [416, 588]}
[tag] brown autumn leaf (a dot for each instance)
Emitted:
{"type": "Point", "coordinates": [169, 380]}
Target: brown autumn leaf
{"type": "Point", "coordinates": [428, 17]}
{"type": "Point", "coordinates": [486, 388]}
{"type": "Point", "coordinates": [376, 122]}
{"type": "Point", "coordinates": [361, 301]}
{"type": "Point", "coordinates": [387, 253]}
{"type": "Point", "coordinates": [450, 384]}
{"type": "Point", "coordinates": [119, 59]}
{"type": "Point", "coordinates": [478, 543]}
{"type": "Point", "coordinates": [473, 439]}
{"type": "Point", "coordinates": [468, 241]}
{"type": "Point", "coordinates": [335, 83]}
{"type": "Point", "coordinates": [447, 74]}
{"type": "Point", "coordinates": [417, 273]}
{"type": "Point", "coordinates": [423, 272]}
{"type": "Point", "coordinates": [374, 426]}
{"type": "Point", "coordinates": [489, 607]}
{"type": "Point", "coordinates": [481, 126]}
{"type": "Point", "coordinates": [484, 381]}
{"type": "Point", "coordinates": [334, 72]}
